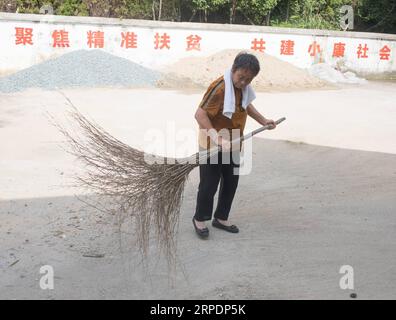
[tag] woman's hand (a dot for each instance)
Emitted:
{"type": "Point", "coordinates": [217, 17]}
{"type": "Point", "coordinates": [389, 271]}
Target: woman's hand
{"type": "Point", "coordinates": [224, 143]}
{"type": "Point", "coordinates": [269, 122]}
{"type": "Point", "coordinates": [251, 110]}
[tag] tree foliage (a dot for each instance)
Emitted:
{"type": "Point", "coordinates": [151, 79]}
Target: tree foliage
{"type": "Point", "coordinates": [369, 15]}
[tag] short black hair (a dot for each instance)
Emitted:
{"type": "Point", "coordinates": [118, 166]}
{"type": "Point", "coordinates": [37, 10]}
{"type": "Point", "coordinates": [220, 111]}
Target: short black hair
{"type": "Point", "coordinates": [245, 60]}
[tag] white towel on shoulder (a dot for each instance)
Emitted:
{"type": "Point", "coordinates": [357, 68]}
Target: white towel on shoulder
{"type": "Point", "coordinates": [248, 95]}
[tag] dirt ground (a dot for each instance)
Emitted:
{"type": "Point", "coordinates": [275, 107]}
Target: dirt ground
{"type": "Point", "coordinates": [321, 195]}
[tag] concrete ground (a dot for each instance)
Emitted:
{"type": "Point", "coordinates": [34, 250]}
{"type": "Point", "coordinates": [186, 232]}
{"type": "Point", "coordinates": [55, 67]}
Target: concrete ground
{"type": "Point", "coordinates": [321, 195]}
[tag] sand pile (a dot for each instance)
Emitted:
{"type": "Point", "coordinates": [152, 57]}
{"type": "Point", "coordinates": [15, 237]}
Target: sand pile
{"type": "Point", "coordinates": [274, 75]}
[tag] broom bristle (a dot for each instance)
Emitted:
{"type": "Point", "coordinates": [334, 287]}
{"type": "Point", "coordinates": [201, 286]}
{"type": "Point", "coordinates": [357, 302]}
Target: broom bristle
{"type": "Point", "coordinates": [150, 193]}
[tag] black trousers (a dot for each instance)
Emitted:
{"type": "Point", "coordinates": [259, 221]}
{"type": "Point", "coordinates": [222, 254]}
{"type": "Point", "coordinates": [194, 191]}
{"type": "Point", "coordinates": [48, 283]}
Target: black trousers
{"type": "Point", "coordinates": [210, 176]}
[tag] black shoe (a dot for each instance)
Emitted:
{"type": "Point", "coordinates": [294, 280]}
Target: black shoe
{"type": "Point", "coordinates": [202, 233]}
{"type": "Point", "coordinates": [217, 224]}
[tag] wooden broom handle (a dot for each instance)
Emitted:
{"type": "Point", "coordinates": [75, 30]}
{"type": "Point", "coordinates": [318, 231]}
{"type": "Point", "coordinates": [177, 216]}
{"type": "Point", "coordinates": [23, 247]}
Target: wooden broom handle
{"type": "Point", "coordinates": [251, 134]}
{"type": "Point", "coordinates": [213, 151]}
{"type": "Point", "coordinates": [247, 136]}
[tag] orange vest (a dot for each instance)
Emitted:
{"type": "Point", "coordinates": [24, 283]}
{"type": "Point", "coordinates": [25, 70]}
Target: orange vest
{"type": "Point", "coordinates": [212, 103]}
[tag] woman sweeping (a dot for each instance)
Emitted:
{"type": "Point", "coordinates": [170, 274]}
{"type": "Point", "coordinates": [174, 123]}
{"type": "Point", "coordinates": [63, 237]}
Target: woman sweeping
{"type": "Point", "coordinates": [151, 193]}
{"type": "Point", "coordinates": [224, 108]}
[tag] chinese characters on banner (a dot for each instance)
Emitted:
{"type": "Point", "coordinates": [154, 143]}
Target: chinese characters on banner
{"type": "Point", "coordinates": [163, 41]}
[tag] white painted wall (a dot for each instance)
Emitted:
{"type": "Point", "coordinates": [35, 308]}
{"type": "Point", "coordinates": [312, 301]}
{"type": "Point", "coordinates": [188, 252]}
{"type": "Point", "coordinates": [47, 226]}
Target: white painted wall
{"type": "Point", "coordinates": [215, 37]}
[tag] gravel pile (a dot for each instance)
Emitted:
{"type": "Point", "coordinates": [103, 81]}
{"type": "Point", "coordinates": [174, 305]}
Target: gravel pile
{"type": "Point", "coordinates": [81, 68]}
